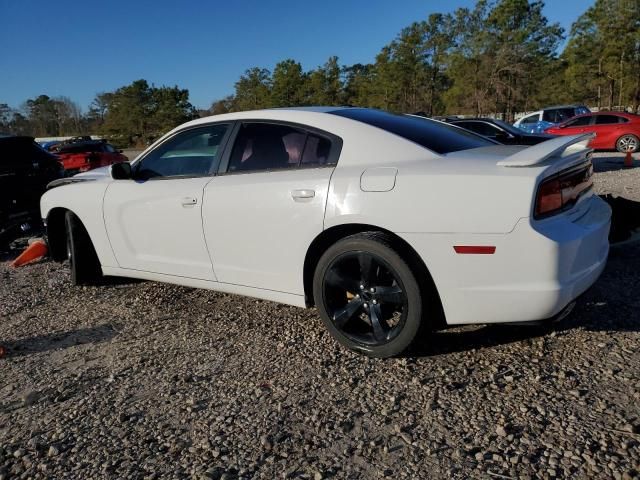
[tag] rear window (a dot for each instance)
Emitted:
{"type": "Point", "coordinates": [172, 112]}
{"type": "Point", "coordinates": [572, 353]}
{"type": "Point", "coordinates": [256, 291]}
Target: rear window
{"type": "Point", "coordinates": [482, 128]}
{"type": "Point", "coordinates": [436, 136]}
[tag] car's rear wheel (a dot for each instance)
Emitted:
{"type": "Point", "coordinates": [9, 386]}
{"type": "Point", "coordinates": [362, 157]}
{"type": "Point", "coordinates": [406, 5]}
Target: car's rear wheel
{"type": "Point", "coordinates": [83, 261]}
{"type": "Point", "coordinates": [628, 143]}
{"type": "Point", "coordinates": [367, 295]}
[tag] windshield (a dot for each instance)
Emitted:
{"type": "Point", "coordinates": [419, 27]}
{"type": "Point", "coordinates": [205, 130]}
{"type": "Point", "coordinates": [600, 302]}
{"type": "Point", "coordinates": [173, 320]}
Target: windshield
{"type": "Point", "coordinates": [433, 135]}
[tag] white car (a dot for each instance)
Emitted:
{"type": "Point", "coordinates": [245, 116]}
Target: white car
{"type": "Point", "coordinates": [538, 122]}
{"type": "Point", "coordinates": [388, 224]}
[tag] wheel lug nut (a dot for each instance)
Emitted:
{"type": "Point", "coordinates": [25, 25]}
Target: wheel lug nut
{"type": "Point", "coordinates": [372, 290]}
{"type": "Point", "coordinates": [375, 302]}
{"type": "Point", "coordinates": [366, 305]}
{"type": "Point", "coordinates": [361, 287]}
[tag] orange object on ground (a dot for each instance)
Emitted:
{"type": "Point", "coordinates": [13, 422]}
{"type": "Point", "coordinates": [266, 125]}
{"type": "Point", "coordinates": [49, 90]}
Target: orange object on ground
{"type": "Point", "coordinates": [628, 160]}
{"type": "Point", "coordinates": [33, 252]}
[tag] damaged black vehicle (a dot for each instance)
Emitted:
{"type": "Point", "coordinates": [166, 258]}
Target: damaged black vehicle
{"type": "Point", "coordinates": [25, 171]}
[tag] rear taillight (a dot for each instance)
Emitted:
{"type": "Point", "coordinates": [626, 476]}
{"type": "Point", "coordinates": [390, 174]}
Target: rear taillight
{"type": "Point", "coordinates": [561, 191]}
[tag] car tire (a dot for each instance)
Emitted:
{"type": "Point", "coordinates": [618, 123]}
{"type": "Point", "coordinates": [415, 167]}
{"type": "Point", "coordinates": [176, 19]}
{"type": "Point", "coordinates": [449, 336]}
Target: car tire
{"type": "Point", "coordinates": [83, 260]}
{"type": "Point", "coordinates": [628, 143]}
{"type": "Point", "coordinates": [367, 295]}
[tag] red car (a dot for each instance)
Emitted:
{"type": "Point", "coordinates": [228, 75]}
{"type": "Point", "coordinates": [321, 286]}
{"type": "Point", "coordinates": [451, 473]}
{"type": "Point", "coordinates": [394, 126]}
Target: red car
{"type": "Point", "coordinates": [614, 130]}
{"type": "Point", "coordinates": [82, 155]}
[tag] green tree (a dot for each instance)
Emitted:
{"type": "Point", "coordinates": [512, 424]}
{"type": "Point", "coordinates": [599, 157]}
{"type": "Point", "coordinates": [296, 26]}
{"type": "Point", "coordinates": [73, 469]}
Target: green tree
{"type": "Point", "coordinates": [288, 85]}
{"type": "Point", "coordinates": [6, 115]}
{"type": "Point", "coordinates": [325, 85]}
{"type": "Point", "coordinates": [358, 84]}
{"type": "Point", "coordinates": [253, 90]}
{"type": "Point", "coordinates": [218, 107]}
{"type": "Point", "coordinates": [138, 113]}
{"type": "Point", "coordinates": [410, 72]}
{"type": "Point", "coordinates": [603, 54]}
{"type": "Point", "coordinates": [503, 49]}
{"type": "Point", "coordinates": [42, 115]}
{"type": "Point", "coordinates": [170, 107]}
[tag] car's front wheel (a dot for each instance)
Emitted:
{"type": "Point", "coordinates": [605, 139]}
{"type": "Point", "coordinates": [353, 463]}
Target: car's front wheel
{"type": "Point", "coordinates": [367, 295]}
{"type": "Point", "coordinates": [83, 261]}
{"type": "Point", "coordinates": [628, 143]}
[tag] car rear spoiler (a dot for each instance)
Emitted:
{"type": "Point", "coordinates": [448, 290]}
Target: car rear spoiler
{"type": "Point", "coordinates": [541, 152]}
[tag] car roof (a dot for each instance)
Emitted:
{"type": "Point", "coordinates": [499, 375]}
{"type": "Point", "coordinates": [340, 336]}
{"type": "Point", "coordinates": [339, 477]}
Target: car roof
{"type": "Point", "coordinates": [619, 114]}
{"type": "Point", "coordinates": [595, 114]}
{"type": "Point", "coordinates": [484, 119]}
{"type": "Point", "coordinates": [16, 138]}
{"type": "Point", "coordinates": [318, 109]}
{"type": "Point", "coordinates": [575, 105]}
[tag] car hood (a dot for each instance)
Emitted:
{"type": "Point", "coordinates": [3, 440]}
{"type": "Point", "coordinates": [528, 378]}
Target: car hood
{"type": "Point", "coordinates": [97, 174]}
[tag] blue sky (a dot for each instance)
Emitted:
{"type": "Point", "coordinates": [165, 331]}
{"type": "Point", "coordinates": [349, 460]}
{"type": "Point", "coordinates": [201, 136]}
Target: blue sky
{"type": "Point", "coordinates": [80, 48]}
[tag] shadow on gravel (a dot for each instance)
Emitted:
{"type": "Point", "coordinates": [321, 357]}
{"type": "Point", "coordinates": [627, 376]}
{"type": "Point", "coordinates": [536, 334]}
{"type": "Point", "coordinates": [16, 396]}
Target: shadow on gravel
{"type": "Point", "coordinates": [625, 218]}
{"type": "Point", "coordinates": [118, 281]}
{"type": "Point", "coordinates": [486, 336]}
{"type": "Point", "coordinates": [60, 340]}
{"type": "Point", "coordinates": [612, 164]}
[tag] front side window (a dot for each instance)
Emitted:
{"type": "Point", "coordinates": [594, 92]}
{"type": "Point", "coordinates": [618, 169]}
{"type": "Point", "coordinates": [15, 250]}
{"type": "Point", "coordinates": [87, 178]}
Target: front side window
{"type": "Point", "coordinates": [265, 146]}
{"type": "Point", "coordinates": [579, 122]}
{"type": "Point", "coordinates": [191, 153]}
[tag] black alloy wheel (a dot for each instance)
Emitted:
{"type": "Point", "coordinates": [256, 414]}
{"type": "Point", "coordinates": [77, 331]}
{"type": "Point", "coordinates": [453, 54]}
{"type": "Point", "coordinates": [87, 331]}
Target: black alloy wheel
{"type": "Point", "coordinates": [368, 296]}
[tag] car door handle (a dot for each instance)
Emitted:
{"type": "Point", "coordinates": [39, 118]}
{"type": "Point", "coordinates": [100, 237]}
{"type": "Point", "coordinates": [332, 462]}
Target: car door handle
{"type": "Point", "coordinates": [302, 194]}
{"type": "Point", "coordinates": [187, 201]}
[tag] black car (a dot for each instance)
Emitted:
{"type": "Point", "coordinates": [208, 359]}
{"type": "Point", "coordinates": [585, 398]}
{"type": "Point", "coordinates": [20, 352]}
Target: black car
{"type": "Point", "coordinates": [25, 171]}
{"type": "Point", "coordinates": [499, 131]}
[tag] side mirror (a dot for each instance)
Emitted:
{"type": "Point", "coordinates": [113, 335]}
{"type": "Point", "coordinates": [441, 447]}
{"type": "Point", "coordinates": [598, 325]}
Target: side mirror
{"type": "Point", "coordinates": [121, 171]}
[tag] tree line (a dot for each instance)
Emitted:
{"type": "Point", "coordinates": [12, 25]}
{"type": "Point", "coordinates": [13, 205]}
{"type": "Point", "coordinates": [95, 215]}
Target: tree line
{"type": "Point", "coordinates": [498, 58]}
{"type": "Point", "coordinates": [131, 115]}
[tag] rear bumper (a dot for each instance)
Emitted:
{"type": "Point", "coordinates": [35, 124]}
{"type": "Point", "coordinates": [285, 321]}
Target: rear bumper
{"type": "Point", "coordinates": [536, 271]}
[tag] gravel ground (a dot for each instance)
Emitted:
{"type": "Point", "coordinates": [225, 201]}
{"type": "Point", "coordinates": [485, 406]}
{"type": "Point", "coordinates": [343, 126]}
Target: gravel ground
{"type": "Point", "coordinates": [145, 380]}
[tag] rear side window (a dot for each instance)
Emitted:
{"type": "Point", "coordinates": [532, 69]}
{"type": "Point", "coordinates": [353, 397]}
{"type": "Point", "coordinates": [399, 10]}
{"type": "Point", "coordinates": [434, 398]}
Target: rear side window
{"type": "Point", "coordinates": [266, 146]}
{"type": "Point", "coordinates": [530, 119]}
{"type": "Point", "coordinates": [558, 115]}
{"type": "Point", "coordinates": [609, 119]}
{"type": "Point", "coordinates": [436, 136]}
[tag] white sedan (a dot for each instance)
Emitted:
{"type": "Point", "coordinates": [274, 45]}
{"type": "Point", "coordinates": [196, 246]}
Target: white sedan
{"type": "Point", "coordinates": [388, 224]}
